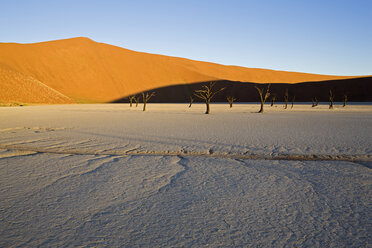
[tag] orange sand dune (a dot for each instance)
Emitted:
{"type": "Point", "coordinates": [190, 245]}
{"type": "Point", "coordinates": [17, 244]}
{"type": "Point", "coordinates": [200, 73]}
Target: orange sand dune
{"type": "Point", "coordinates": [18, 88]}
{"type": "Point", "coordinates": [88, 71]}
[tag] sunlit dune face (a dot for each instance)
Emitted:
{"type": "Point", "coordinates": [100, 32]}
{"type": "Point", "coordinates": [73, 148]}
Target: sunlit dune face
{"type": "Point", "coordinates": [82, 70]}
{"type": "Point", "coordinates": [19, 88]}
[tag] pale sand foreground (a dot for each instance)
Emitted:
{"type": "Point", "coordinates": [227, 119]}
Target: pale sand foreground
{"type": "Point", "coordinates": [108, 175]}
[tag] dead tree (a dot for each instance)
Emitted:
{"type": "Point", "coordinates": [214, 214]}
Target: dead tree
{"type": "Point", "coordinates": [137, 99]}
{"type": "Point", "coordinates": [146, 97]}
{"type": "Point", "coordinates": [293, 99]}
{"type": "Point", "coordinates": [331, 97]}
{"type": "Point", "coordinates": [315, 102]}
{"type": "Point", "coordinates": [191, 101]}
{"type": "Point", "coordinates": [263, 97]}
{"type": "Point", "coordinates": [273, 99]}
{"type": "Point", "coordinates": [206, 94]}
{"type": "Point", "coordinates": [286, 96]}
{"type": "Point", "coordinates": [131, 98]}
{"type": "Point", "coordinates": [230, 99]}
{"type": "Point", "coordinates": [345, 100]}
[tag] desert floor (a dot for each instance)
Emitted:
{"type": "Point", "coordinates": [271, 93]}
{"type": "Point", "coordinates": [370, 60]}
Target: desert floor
{"type": "Point", "coordinates": [111, 175]}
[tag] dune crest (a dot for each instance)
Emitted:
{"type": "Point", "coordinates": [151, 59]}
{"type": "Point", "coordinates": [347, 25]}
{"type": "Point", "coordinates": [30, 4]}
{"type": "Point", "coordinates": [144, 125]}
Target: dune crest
{"type": "Point", "coordinates": [87, 71]}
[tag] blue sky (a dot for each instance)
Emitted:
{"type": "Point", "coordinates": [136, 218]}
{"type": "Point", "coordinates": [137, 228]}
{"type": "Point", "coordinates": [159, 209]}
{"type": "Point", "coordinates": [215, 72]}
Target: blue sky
{"type": "Point", "coordinates": [326, 37]}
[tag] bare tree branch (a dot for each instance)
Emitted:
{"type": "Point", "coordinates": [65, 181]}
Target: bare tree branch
{"type": "Point", "coordinates": [206, 94]}
{"type": "Point", "coordinates": [231, 100]}
{"type": "Point", "coordinates": [145, 98]}
{"type": "Point", "coordinates": [137, 99]}
{"type": "Point", "coordinates": [263, 97]}
{"type": "Point", "coordinates": [131, 98]}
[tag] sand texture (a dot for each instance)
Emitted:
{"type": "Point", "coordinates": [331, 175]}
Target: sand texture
{"type": "Point", "coordinates": [18, 88]}
{"type": "Point", "coordinates": [114, 176]}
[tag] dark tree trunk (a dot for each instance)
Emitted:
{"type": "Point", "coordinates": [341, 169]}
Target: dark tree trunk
{"type": "Point", "coordinates": [231, 100]}
{"type": "Point", "coordinates": [145, 98]}
{"type": "Point", "coordinates": [286, 97]}
{"type": "Point", "coordinates": [207, 103]}
{"type": "Point", "coordinates": [315, 102]}
{"type": "Point", "coordinates": [191, 101]}
{"type": "Point", "coordinates": [261, 109]}
{"type": "Point", "coordinates": [331, 97]}
{"type": "Point", "coordinates": [144, 106]}
{"type": "Point", "coordinates": [263, 97]}
{"type": "Point", "coordinates": [262, 104]}
{"type": "Point", "coordinates": [207, 94]}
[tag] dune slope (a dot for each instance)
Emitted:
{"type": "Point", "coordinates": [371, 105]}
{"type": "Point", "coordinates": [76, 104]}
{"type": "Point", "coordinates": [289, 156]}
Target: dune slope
{"type": "Point", "coordinates": [18, 88]}
{"type": "Point", "coordinates": [88, 71]}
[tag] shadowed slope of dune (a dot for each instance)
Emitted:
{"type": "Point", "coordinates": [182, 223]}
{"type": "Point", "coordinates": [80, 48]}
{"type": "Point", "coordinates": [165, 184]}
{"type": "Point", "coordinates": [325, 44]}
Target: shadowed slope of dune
{"type": "Point", "coordinates": [88, 71]}
{"type": "Point", "coordinates": [357, 90]}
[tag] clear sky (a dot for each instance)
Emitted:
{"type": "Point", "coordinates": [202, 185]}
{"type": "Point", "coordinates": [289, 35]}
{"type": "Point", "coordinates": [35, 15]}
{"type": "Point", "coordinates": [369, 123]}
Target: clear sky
{"type": "Point", "coordinates": [316, 36]}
